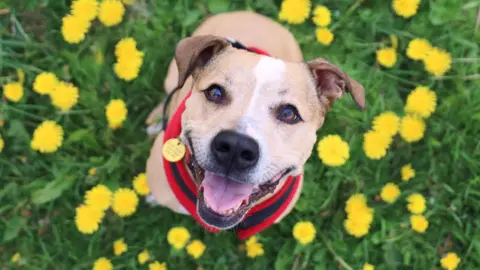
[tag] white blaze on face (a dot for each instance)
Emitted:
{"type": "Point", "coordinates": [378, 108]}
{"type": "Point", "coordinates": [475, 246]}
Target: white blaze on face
{"type": "Point", "coordinates": [269, 74]}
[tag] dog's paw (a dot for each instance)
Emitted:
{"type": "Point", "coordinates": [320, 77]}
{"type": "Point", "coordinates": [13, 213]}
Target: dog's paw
{"type": "Point", "coordinates": [151, 201]}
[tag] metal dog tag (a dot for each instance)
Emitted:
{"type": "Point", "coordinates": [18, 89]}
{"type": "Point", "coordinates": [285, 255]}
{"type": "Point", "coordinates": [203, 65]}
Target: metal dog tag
{"type": "Point", "coordinates": [173, 150]}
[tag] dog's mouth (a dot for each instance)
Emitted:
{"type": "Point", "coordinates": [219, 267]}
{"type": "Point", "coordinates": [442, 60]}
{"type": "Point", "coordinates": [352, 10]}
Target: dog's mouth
{"type": "Point", "coordinates": [222, 202]}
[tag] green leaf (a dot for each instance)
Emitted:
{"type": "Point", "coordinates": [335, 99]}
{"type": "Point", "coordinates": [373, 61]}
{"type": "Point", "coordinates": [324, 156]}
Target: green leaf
{"type": "Point", "coordinates": [8, 190]}
{"type": "Point", "coordinates": [284, 257]}
{"type": "Point", "coordinates": [218, 6]}
{"type": "Point", "coordinates": [17, 130]}
{"type": "Point", "coordinates": [443, 11]}
{"type": "Point", "coordinates": [52, 190]}
{"type": "Point", "coordinates": [77, 136]}
{"type": "Point", "coordinates": [13, 227]}
{"type": "Point", "coordinates": [191, 18]}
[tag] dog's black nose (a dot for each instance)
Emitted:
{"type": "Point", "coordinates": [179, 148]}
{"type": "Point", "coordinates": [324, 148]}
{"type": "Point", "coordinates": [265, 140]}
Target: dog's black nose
{"type": "Point", "coordinates": [233, 150]}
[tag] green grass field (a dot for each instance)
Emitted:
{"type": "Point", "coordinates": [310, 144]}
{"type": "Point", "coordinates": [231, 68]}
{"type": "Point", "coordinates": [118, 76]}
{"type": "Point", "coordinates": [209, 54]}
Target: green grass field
{"type": "Point", "coordinates": [39, 192]}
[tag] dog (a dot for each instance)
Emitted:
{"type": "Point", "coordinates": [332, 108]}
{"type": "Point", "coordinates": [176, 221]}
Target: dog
{"type": "Point", "coordinates": [247, 122]}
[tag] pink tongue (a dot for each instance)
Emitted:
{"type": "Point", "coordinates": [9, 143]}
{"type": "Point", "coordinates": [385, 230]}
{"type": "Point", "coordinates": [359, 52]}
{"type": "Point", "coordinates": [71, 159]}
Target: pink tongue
{"type": "Point", "coordinates": [221, 194]}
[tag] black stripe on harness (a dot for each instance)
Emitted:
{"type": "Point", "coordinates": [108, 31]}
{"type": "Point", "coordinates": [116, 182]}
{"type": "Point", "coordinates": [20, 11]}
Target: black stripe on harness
{"type": "Point", "coordinates": [181, 183]}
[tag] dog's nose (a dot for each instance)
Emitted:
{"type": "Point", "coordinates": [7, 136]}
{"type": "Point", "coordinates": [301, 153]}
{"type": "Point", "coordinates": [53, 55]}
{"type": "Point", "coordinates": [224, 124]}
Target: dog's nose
{"type": "Point", "coordinates": [234, 150]}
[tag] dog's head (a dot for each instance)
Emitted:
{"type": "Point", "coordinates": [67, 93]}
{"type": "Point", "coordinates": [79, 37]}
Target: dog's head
{"type": "Point", "coordinates": [251, 121]}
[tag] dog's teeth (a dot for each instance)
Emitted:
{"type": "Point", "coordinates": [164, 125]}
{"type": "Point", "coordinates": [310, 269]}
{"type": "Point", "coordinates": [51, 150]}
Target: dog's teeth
{"type": "Point", "coordinates": [228, 212]}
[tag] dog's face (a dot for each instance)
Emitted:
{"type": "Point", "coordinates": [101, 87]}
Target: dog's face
{"type": "Point", "coordinates": [250, 122]}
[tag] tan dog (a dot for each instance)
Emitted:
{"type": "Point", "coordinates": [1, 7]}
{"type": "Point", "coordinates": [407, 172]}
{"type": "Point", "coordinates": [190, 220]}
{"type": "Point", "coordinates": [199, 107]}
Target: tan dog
{"type": "Point", "coordinates": [251, 120]}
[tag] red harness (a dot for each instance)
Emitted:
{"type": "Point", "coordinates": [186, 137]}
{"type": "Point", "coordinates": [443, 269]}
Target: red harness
{"type": "Point", "coordinates": [260, 217]}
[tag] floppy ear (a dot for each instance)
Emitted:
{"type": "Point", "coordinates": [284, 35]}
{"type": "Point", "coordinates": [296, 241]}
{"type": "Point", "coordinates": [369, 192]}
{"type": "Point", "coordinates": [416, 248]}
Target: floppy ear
{"type": "Point", "coordinates": [332, 82]}
{"type": "Point", "coordinates": [194, 52]}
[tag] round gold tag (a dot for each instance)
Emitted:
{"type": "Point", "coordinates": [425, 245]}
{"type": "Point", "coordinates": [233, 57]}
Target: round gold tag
{"type": "Point", "coordinates": [173, 150]}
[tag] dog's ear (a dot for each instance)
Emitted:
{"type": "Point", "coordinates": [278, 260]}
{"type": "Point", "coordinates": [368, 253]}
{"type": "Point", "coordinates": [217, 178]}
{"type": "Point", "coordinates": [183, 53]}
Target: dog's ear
{"type": "Point", "coordinates": [194, 52]}
{"type": "Point", "coordinates": [332, 82]}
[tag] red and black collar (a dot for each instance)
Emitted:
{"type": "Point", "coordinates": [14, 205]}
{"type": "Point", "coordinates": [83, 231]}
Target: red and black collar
{"type": "Point", "coordinates": [260, 217]}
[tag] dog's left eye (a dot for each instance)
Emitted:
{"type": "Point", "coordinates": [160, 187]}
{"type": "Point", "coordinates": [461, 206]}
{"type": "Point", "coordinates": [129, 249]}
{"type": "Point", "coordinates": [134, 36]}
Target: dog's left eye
{"type": "Point", "coordinates": [215, 94]}
{"type": "Point", "coordinates": [288, 114]}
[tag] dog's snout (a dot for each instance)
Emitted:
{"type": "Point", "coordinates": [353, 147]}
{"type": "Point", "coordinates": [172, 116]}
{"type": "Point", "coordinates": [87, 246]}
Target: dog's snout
{"type": "Point", "coordinates": [234, 150]}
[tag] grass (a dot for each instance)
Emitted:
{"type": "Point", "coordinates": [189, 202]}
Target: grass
{"type": "Point", "coordinates": [39, 193]}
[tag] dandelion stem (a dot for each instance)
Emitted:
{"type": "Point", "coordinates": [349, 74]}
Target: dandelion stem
{"type": "Point", "coordinates": [295, 264]}
{"type": "Point", "coordinates": [36, 117]}
{"type": "Point", "coordinates": [335, 255]}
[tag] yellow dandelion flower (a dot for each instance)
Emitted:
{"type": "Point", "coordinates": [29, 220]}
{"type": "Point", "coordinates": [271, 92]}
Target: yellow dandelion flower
{"type": "Point", "coordinates": [253, 247]}
{"type": "Point", "coordinates": [88, 218]}
{"type": "Point", "coordinates": [99, 197]}
{"type": "Point", "coordinates": [356, 227]}
{"type": "Point", "coordinates": [417, 48]}
{"type": "Point", "coordinates": [74, 28]}
{"type": "Point", "coordinates": [125, 48]}
{"type": "Point", "coordinates": [416, 203]}
{"type": "Point", "coordinates": [15, 258]}
{"type": "Point", "coordinates": [13, 91]}
{"type": "Point", "coordinates": [437, 62]}
{"type": "Point", "coordinates": [102, 264]}
{"type": "Point", "coordinates": [387, 122]}
{"type": "Point", "coordinates": [356, 203]}
{"type": "Point", "coordinates": [394, 41]}
{"type": "Point", "coordinates": [405, 8]}
{"type": "Point", "coordinates": [412, 128]}
{"type": "Point", "coordinates": [45, 83]}
{"type": "Point", "coordinates": [363, 215]}
{"type": "Point", "coordinates": [125, 202]}
{"type": "Point", "coordinates": [255, 250]}
{"type": "Point", "coordinates": [304, 232]}
{"type": "Point", "coordinates": [129, 59]}
{"type": "Point", "coordinates": [128, 69]}
{"type": "Point", "coordinates": [143, 257]}
{"type": "Point", "coordinates": [368, 266]}
{"type": "Point", "coordinates": [407, 172]}
{"type": "Point", "coordinates": [294, 11]}
{"type": "Point", "coordinates": [421, 101]}
{"type": "Point", "coordinates": [47, 137]}
{"type": "Point", "coordinates": [251, 240]}
{"type": "Point", "coordinates": [2, 144]}
{"type": "Point", "coordinates": [376, 144]}
{"type": "Point", "coordinates": [450, 261]}
{"type": "Point", "coordinates": [322, 16]}
{"type": "Point", "coordinates": [387, 57]}
{"type": "Point", "coordinates": [92, 171]}
{"type": "Point", "coordinates": [390, 192]}
{"type": "Point", "coordinates": [359, 216]}
{"type": "Point", "coordinates": [64, 96]}
{"type": "Point", "coordinates": [324, 36]}
{"type": "Point", "coordinates": [178, 237]}
{"type": "Point", "coordinates": [128, 2]}
{"type": "Point", "coordinates": [140, 184]}
{"type": "Point", "coordinates": [85, 9]}
{"type": "Point", "coordinates": [196, 249]}
{"type": "Point", "coordinates": [119, 247]}
{"type": "Point", "coordinates": [333, 151]}
{"type": "Point", "coordinates": [111, 12]}
{"type": "Point", "coordinates": [21, 76]}
{"type": "Point", "coordinates": [157, 266]}
{"type": "Point", "coordinates": [419, 223]}
{"type": "Point", "coordinates": [116, 112]}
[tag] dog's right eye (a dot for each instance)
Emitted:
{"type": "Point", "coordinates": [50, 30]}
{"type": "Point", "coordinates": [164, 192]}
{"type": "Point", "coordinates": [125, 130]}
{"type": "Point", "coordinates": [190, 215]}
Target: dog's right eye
{"type": "Point", "coordinates": [215, 94]}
